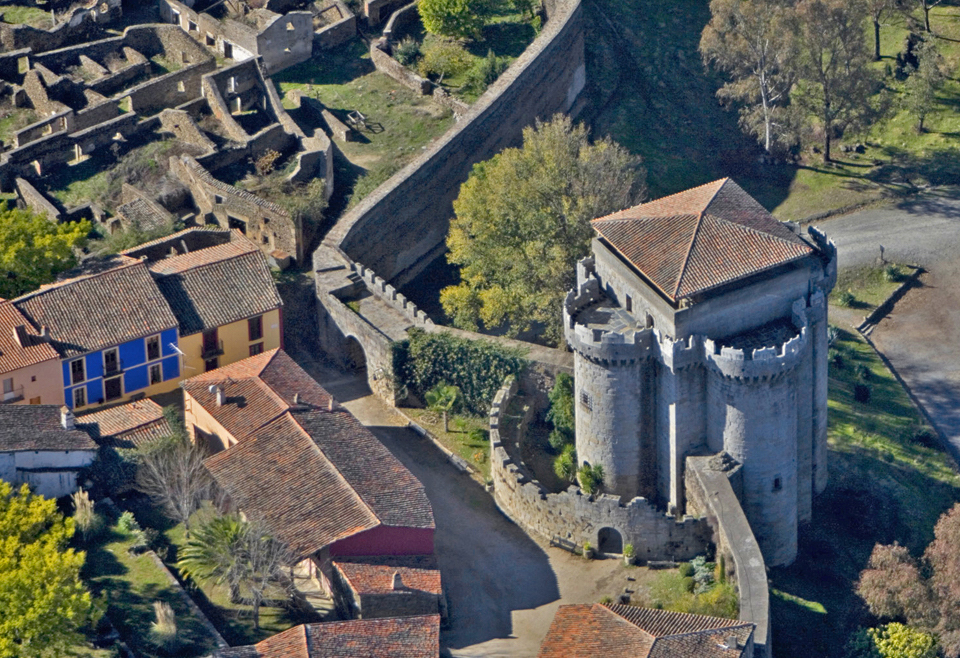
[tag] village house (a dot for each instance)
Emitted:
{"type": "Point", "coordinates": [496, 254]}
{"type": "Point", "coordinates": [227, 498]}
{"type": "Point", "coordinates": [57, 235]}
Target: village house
{"type": "Point", "coordinates": [286, 452]}
{"type": "Point", "coordinates": [41, 446]}
{"type": "Point", "coordinates": [602, 630]}
{"type": "Point", "coordinates": [127, 425]}
{"type": "Point", "coordinates": [220, 289]}
{"type": "Point", "coordinates": [113, 331]}
{"type": "Point", "coordinates": [404, 637]}
{"type": "Point", "coordinates": [367, 588]}
{"type": "Point", "coordinates": [29, 366]}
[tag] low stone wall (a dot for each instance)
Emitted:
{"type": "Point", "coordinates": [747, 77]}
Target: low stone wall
{"type": "Point", "coordinates": [83, 24]}
{"type": "Point", "coordinates": [337, 33]}
{"type": "Point", "coordinates": [391, 67]}
{"type": "Point", "coordinates": [573, 517]}
{"type": "Point", "coordinates": [36, 201]}
{"type": "Point", "coordinates": [711, 492]}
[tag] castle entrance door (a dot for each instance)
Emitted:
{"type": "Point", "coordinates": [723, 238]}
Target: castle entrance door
{"type": "Point", "coordinates": [609, 540]}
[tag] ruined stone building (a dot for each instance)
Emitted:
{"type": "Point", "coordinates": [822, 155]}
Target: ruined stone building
{"type": "Point", "coordinates": [699, 326]}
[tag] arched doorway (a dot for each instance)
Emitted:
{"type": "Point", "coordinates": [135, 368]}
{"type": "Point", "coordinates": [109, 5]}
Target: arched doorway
{"type": "Point", "coordinates": [609, 541]}
{"type": "Point", "coordinates": [355, 357]}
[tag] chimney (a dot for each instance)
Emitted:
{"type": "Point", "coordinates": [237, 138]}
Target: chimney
{"type": "Point", "coordinates": [397, 581]}
{"type": "Point", "coordinates": [45, 333]}
{"type": "Point", "coordinates": [732, 642]}
{"type": "Point", "coordinates": [20, 335]}
{"type": "Point", "coordinates": [218, 392]}
{"type": "Point", "coordinates": [183, 244]}
{"type": "Point", "coordinates": [67, 418]}
{"type": "Point", "coordinates": [331, 405]}
{"type": "Point", "coordinates": [173, 252]}
{"type": "Point", "coordinates": [296, 399]}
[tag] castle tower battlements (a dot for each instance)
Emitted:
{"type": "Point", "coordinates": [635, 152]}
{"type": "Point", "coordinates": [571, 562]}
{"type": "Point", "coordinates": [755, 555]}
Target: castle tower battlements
{"type": "Point", "coordinates": [698, 325]}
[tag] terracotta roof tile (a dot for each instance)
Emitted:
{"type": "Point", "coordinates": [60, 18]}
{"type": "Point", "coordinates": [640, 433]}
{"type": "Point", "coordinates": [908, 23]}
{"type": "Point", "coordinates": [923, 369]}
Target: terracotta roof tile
{"type": "Point", "coordinates": [194, 238]}
{"type": "Point", "coordinates": [595, 631]}
{"type": "Point", "coordinates": [400, 637]}
{"type": "Point", "coordinates": [698, 240]}
{"type": "Point", "coordinates": [90, 313]}
{"type": "Point", "coordinates": [38, 427]}
{"type": "Point", "coordinates": [374, 575]}
{"type": "Point", "coordinates": [126, 425]}
{"type": "Point", "coordinates": [13, 354]}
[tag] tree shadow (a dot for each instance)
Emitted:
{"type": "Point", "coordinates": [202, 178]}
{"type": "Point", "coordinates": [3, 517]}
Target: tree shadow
{"type": "Point", "coordinates": [504, 39]}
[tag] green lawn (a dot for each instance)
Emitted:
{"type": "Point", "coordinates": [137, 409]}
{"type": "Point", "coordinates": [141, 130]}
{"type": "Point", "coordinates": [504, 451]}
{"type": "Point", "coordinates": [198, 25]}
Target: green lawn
{"type": "Point", "coordinates": [888, 482]}
{"type": "Point", "coordinates": [869, 285]}
{"type": "Point", "coordinates": [400, 122]}
{"type": "Point", "coordinates": [21, 14]}
{"type": "Point", "coordinates": [650, 91]}
{"type": "Point", "coordinates": [13, 119]}
{"type": "Point", "coordinates": [232, 620]}
{"type": "Point", "coordinates": [458, 439]}
{"type": "Point", "coordinates": [131, 584]}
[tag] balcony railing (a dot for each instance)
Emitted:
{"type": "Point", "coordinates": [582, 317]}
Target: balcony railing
{"type": "Point", "coordinates": [9, 397]}
{"type": "Point", "coordinates": [208, 351]}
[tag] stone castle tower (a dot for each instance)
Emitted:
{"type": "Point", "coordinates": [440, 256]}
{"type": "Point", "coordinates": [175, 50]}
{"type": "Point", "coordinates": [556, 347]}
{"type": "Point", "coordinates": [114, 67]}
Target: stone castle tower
{"type": "Point", "coordinates": [699, 326]}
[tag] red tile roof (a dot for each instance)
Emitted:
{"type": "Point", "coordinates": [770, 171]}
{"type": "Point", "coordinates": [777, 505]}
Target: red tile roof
{"type": "Point", "coordinates": [374, 575]}
{"type": "Point", "coordinates": [13, 355]}
{"type": "Point", "coordinates": [598, 631]}
{"type": "Point", "coordinates": [400, 637]}
{"type": "Point", "coordinates": [698, 240]}
{"type": "Point", "coordinates": [316, 476]}
{"type": "Point", "coordinates": [127, 425]}
{"type": "Point", "coordinates": [194, 259]}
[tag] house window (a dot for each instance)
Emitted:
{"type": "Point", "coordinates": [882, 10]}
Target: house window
{"type": "Point", "coordinates": [255, 328]}
{"type": "Point", "coordinates": [77, 372]}
{"type": "Point", "coordinates": [777, 483]}
{"type": "Point", "coordinates": [217, 199]}
{"type": "Point", "coordinates": [585, 401]}
{"type": "Point", "coordinates": [153, 348]}
{"type": "Point", "coordinates": [211, 40]}
{"type": "Point", "coordinates": [80, 397]}
{"type": "Point", "coordinates": [35, 400]}
{"type": "Point", "coordinates": [629, 304]}
{"type": "Point", "coordinates": [113, 388]}
{"type": "Point", "coordinates": [7, 386]}
{"type": "Point", "coordinates": [192, 27]}
{"type": "Point", "coordinates": [256, 348]}
{"type": "Point", "coordinates": [239, 224]}
{"type": "Point", "coordinates": [210, 364]}
{"type": "Point", "coordinates": [181, 87]}
{"type": "Point", "coordinates": [290, 27]}
{"type": "Point", "coordinates": [33, 378]}
{"type": "Point", "coordinates": [156, 374]}
{"type": "Point", "coordinates": [111, 362]}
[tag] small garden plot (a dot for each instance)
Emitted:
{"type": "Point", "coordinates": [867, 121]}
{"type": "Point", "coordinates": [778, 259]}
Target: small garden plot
{"type": "Point", "coordinates": [868, 287]}
{"type": "Point", "coordinates": [698, 587]}
{"type": "Point", "coordinates": [466, 436]}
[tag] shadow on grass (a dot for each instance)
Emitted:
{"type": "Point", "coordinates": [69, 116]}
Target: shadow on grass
{"type": "Point", "coordinates": [337, 67]}
{"type": "Point", "coordinates": [508, 39]}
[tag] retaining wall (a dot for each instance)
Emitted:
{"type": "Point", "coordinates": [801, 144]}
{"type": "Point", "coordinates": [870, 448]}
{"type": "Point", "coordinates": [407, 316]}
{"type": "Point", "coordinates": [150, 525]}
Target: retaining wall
{"type": "Point", "coordinates": [711, 492]}
{"type": "Point", "coordinates": [574, 517]}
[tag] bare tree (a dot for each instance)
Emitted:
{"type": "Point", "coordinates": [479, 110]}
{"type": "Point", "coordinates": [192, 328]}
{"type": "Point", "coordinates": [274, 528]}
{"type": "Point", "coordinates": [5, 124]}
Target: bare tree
{"type": "Point", "coordinates": [749, 40]}
{"type": "Point", "coordinates": [878, 9]}
{"type": "Point", "coordinates": [172, 474]}
{"type": "Point", "coordinates": [266, 560]}
{"type": "Point", "coordinates": [925, 6]}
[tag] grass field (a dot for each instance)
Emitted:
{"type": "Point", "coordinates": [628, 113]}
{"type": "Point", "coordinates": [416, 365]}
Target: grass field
{"type": "Point", "coordinates": [649, 91]}
{"type": "Point", "coordinates": [889, 481]}
{"type": "Point", "coordinates": [26, 15]}
{"type": "Point", "coordinates": [870, 286]}
{"type": "Point", "coordinates": [458, 439]}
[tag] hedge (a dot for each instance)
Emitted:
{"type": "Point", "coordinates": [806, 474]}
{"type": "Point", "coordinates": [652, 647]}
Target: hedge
{"type": "Point", "coordinates": [476, 367]}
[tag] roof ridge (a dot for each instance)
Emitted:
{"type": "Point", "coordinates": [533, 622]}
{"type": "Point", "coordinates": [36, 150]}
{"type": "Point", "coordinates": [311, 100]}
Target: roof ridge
{"type": "Point", "coordinates": [713, 197]}
{"type": "Point", "coordinates": [617, 616]}
{"type": "Point", "coordinates": [686, 259]}
{"type": "Point", "coordinates": [57, 285]}
{"type": "Point", "coordinates": [252, 249]}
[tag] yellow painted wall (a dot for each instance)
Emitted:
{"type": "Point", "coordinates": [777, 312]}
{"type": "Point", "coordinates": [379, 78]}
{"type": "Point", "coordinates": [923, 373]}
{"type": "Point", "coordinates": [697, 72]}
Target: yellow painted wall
{"type": "Point", "coordinates": [236, 343]}
{"type": "Point", "coordinates": [196, 417]}
{"type": "Point", "coordinates": [48, 385]}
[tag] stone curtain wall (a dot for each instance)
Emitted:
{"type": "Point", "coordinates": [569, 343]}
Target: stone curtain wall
{"type": "Point", "coordinates": [403, 224]}
{"type": "Point", "coordinates": [574, 517]}
{"type": "Point", "coordinates": [710, 492]}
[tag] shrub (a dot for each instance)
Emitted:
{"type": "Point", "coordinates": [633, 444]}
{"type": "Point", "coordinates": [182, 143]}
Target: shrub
{"type": "Point", "coordinates": [688, 584]}
{"type": "Point", "coordinates": [686, 570]}
{"type": "Point", "coordinates": [479, 435]}
{"type": "Point", "coordinates": [836, 359]}
{"type": "Point", "coordinates": [407, 51]}
{"type": "Point", "coordinates": [443, 59]}
{"type": "Point", "coordinates": [266, 162]}
{"type": "Point", "coordinates": [606, 600]}
{"type": "Point", "coordinates": [833, 335]}
{"type": "Point", "coordinates": [845, 299]}
{"type": "Point", "coordinates": [559, 438]}
{"type": "Point", "coordinates": [861, 393]}
{"type": "Point", "coordinates": [88, 523]}
{"type": "Point", "coordinates": [561, 412]}
{"type": "Point", "coordinates": [863, 373]}
{"type": "Point", "coordinates": [591, 478]}
{"type": "Point", "coordinates": [452, 18]}
{"type": "Point", "coordinates": [128, 522]}
{"type": "Point", "coordinates": [628, 551]}
{"type": "Point", "coordinates": [163, 631]}
{"type": "Point", "coordinates": [565, 465]}
{"type": "Point", "coordinates": [485, 72]}
{"type": "Point", "coordinates": [476, 367]}
{"type": "Point", "coordinates": [892, 274]}
{"type": "Point", "coordinates": [702, 574]}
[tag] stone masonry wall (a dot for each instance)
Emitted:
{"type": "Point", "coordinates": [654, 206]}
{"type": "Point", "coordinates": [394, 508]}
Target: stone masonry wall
{"type": "Point", "coordinates": [710, 492]}
{"type": "Point", "coordinates": [397, 228]}
{"type": "Point", "coordinates": [574, 517]}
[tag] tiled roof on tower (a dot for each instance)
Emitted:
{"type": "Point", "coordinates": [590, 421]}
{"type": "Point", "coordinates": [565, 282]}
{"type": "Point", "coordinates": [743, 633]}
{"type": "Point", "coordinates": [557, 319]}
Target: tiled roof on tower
{"type": "Point", "coordinates": [692, 242]}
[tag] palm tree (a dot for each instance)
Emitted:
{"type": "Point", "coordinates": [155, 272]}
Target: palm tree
{"type": "Point", "coordinates": [441, 398]}
{"type": "Point", "coordinates": [214, 554]}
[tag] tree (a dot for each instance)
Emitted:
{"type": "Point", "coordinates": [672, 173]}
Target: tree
{"type": "Point", "coordinates": [565, 465]}
{"type": "Point", "coordinates": [523, 220]}
{"type": "Point", "coordinates": [43, 602]}
{"type": "Point", "coordinates": [244, 555]}
{"type": "Point", "coordinates": [925, 6]}
{"type": "Point", "coordinates": [877, 10]}
{"type": "Point", "coordinates": [591, 478]}
{"type": "Point", "coordinates": [33, 250]}
{"type": "Point", "coordinates": [442, 398]}
{"type": "Point", "coordinates": [835, 84]}
{"type": "Point", "coordinates": [561, 412]}
{"type": "Point", "coordinates": [458, 19]}
{"type": "Point", "coordinates": [898, 641]}
{"type": "Point", "coordinates": [750, 40]}
{"type": "Point", "coordinates": [920, 89]}
{"type": "Point", "coordinates": [171, 472]}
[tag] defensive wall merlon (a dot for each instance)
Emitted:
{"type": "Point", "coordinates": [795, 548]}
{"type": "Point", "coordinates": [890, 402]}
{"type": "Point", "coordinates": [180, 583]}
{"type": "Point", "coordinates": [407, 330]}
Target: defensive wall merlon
{"type": "Point", "coordinates": [712, 485]}
{"type": "Point", "coordinates": [379, 287]}
{"type": "Point", "coordinates": [574, 517]}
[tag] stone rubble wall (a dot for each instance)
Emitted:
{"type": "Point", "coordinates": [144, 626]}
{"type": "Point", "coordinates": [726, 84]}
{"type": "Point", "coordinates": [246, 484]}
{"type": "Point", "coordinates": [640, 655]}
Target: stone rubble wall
{"type": "Point", "coordinates": [572, 516]}
{"type": "Point", "coordinates": [83, 24]}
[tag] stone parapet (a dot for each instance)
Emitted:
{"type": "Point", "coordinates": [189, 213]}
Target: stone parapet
{"type": "Point", "coordinates": [383, 290]}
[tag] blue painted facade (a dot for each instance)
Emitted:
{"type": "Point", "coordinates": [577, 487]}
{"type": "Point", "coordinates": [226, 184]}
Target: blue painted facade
{"type": "Point", "coordinates": [134, 369]}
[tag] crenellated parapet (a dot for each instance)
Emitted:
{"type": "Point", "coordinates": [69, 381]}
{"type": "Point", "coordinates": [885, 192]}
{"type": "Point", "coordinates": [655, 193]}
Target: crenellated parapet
{"type": "Point", "coordinates": [383, 290]}
{"type": "Point", "coordinates": [828, 252]}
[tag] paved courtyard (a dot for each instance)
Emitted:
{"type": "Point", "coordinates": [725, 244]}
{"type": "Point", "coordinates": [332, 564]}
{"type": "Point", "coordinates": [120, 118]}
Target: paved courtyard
{"type": "Point", "coordinates": [921, 336]}
{"type": "Point", "coordinates": [502, 587]}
